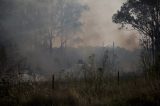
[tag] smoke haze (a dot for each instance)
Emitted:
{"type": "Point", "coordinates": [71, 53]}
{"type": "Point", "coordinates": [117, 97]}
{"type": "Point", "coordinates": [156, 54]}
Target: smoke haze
{"type": "Point", "coordinates": [98, 28]}
{"type": "Point", "coordinates": [40, 31]}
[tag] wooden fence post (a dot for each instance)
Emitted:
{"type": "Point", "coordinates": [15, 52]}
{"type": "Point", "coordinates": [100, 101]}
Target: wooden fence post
{"type": "Point", "coordinates": [118, 78]}
{"type": "Point", "coordinates": [53, 81]}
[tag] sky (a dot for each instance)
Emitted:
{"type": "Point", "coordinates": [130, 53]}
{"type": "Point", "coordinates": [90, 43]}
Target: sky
{"type": "Point", "coordinates": [98, 28]}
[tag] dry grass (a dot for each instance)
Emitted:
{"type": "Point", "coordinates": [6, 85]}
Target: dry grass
{"type": "Point", "coordinates": [137, 92]}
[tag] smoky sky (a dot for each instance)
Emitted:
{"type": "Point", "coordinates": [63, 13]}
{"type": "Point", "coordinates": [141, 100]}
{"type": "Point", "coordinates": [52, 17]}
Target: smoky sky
{"type": "Point", "coordinates": [98, 28]}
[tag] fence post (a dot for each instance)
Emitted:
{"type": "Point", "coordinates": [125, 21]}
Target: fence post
{"type": "Point", "coordinates": [118, 78]}
{"type": "Point", "coordinates": [53, 81]}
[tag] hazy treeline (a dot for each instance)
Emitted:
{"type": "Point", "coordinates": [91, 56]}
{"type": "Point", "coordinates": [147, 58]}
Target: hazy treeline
{"type": "Point", "coordinates": [29, 28]}
{"type": "Point", "coordinates": [35, 35]}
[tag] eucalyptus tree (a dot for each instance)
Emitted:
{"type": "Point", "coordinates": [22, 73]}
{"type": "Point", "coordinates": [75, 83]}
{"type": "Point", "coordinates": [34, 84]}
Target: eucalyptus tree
{"type": "Point", "coordinates": [66, 18]}
{"type": "Point", "coordinates": [143, 16]}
